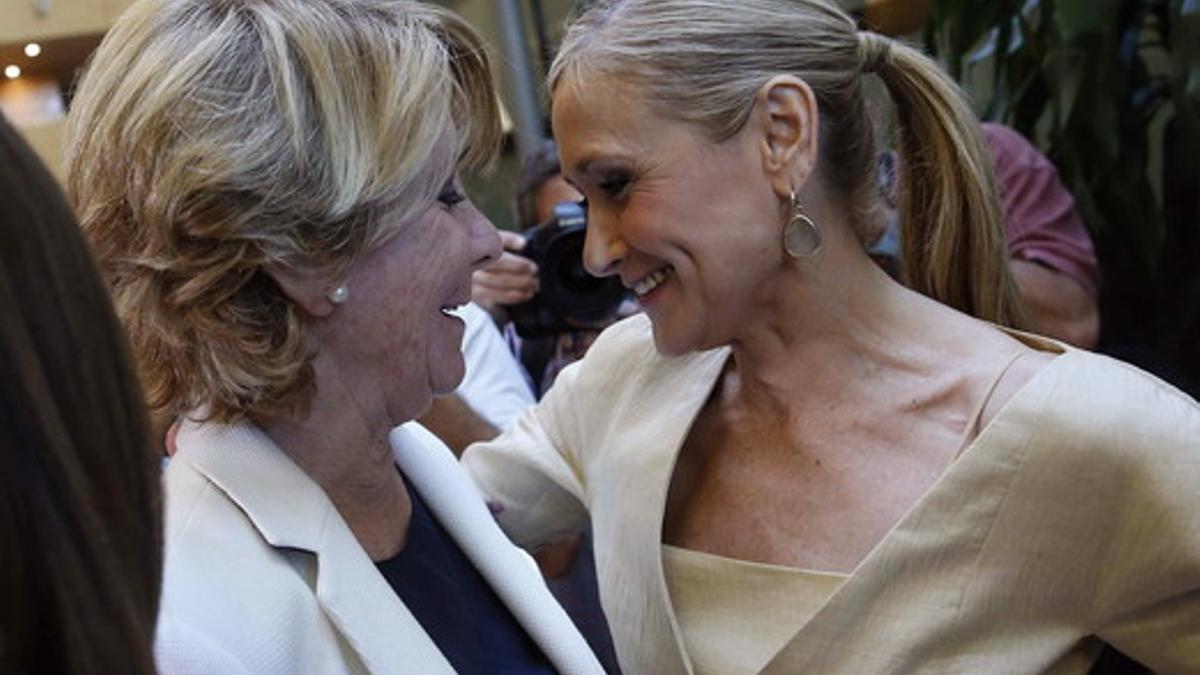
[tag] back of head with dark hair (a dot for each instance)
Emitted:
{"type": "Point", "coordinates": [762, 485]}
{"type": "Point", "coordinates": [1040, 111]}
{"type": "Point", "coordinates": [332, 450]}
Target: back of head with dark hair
{"type": "Point", "coordinates": [80, 523]}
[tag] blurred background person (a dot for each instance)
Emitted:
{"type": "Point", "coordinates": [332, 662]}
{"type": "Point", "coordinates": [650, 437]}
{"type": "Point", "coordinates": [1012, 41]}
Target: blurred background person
{"type": "Point", "coordinates": [1051, 256]}
{"type": "Point", "coordinates": [515, 279]}
{"type": "Point", "coordinates": [271, 186]}
{"type": "Point", "coordinates": [791, 462]}
{"type": "Point", "coordinates": [79, 507]}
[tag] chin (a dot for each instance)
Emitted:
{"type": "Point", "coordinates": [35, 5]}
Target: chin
{"type": "Point", "coordinates": [445, 380]}
{"type": "Point", "coordinates": [673, 342]}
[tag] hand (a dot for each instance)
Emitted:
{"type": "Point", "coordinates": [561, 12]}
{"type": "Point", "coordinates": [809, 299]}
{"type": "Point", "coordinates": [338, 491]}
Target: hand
{"type": "Point", "coordinates": [511, 280]}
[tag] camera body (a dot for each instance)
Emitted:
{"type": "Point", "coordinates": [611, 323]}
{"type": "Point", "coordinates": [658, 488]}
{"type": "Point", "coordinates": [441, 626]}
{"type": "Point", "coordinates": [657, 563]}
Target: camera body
{"type": "Point", "coordinates": [570, 298]}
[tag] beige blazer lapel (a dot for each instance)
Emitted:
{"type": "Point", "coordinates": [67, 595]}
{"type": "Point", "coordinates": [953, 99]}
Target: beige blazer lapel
{"type": "Point", "coordinates": [676, 398]}
{"type": "Point", "coordinates": [293, 512]}
{"type": "Point", "coordinates": [461, 510]}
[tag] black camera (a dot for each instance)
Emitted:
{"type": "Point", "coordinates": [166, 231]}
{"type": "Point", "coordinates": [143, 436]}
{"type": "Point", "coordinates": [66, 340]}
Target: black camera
{"type": "Point", "coordinates": [570, 298]}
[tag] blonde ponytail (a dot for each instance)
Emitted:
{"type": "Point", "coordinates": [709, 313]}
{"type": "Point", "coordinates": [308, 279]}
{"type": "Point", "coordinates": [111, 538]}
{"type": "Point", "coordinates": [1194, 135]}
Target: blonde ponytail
{"type": "Point", "coordinates": [953, 242]}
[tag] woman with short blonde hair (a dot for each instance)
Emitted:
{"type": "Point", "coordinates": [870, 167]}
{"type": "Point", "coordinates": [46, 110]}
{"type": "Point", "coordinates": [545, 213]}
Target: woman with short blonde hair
{"type": "Point", "coordinates": [209, 147]}
{"type": "Point", "coordinates": [271, 188]}
{"type": "Point", "coordinates": [793, 463]}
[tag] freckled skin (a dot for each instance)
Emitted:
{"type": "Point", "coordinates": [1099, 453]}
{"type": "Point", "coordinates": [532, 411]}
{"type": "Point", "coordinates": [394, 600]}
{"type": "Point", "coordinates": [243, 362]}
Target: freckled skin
{"type": "Point", "coordinates": [392, 342]}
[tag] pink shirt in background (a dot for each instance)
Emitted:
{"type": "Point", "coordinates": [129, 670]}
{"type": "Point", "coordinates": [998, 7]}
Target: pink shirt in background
{"type": "Point", "coordinates": [1041, 223]}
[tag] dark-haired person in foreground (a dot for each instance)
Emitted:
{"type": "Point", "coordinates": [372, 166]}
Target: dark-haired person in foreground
{"type": "Point", "coordinates": [80, 523]}
{"type": "Point", "coordinates": [271, 186]}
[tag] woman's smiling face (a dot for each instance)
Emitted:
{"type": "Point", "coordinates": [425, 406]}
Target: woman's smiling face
{"type": "Point", "coordinates": [690, 225]}
{"type": "Point", "coordinates": [394, 339]}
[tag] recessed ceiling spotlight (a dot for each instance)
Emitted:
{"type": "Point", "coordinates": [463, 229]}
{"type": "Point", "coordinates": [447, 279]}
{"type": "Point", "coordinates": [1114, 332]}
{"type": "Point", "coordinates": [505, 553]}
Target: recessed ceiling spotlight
{"type": "Point", "coordinates": [32, 50]}
{"type": "Point", "coordinates": [12, 72]}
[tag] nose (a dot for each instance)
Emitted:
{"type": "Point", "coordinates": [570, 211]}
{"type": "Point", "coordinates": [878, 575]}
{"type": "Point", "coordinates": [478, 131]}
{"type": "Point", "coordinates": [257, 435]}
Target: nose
{"type": "Point", "coordinates": [485, 242]}
{"type": "Point", "coordinates": [603, 248]}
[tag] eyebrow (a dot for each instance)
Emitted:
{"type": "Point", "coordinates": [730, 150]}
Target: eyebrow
{"type": "Point", "coordinates": [594, 165]}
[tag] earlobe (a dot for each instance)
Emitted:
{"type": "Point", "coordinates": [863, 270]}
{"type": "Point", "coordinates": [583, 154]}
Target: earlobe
{"type": "Point", "coordinates": [308, 292]}
{"type": "Point", "coordinates": [788, 118]}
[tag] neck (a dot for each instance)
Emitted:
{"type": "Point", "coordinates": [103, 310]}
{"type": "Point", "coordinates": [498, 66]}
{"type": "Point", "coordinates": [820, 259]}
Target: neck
{"type": "Point", "coordinates": [346, 451]}
{"type": "Point", "coordinates": [838, 327]}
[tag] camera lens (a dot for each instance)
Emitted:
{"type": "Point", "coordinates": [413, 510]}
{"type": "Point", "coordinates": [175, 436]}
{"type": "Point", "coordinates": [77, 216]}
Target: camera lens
{"type": "Point", "coordinates": [570, 297]}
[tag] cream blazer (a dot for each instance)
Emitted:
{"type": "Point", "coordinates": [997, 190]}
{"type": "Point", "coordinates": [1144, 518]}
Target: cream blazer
{"type": "Point", "coordinates": [1073, 518]}
{"type": "Point", "coordinates": [263, 576]}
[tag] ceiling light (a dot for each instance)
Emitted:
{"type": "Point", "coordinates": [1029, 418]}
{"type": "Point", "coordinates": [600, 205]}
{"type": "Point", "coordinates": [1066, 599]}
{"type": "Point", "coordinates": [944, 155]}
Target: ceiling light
{"type": "Point", "coordinates": [12, 72]}
{"type": "Point", "coordinates": [32, 50]}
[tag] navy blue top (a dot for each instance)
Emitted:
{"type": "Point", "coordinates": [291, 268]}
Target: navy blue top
{"type": "Point", "coordinates": [455, 605]}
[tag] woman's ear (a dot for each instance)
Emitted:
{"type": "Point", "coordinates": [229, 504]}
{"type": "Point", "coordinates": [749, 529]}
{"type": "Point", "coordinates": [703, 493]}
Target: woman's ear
{"type": "Point", "coordinates": [786, 115]}
{"type": "Point", "coordinates": [310, 292]}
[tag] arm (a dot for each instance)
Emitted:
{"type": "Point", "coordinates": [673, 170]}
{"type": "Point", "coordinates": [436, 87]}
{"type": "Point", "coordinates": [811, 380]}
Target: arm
{"type": "Point", "coordinates": [1053, 260]}
{"type": "Point", "coordinates": [1148, 603]}
{"type": "Point", "coordinates": [531, 474]}
{"type": "Point", "coordinates": [1058, 306]}
{"type": "Point", "coordinates": [458, 426]}
{"type": "Point", "coordinates": [456, 423]}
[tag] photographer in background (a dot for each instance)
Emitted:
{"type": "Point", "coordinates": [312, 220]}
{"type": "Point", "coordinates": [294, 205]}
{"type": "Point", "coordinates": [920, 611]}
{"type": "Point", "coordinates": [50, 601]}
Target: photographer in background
{"type": "Point", "coordinates": [552, 314]}
{"type": "Point", "coordinates": [513, 278]}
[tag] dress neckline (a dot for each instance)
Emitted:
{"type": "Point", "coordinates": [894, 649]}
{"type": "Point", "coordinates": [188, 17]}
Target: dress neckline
{"type": "Point", "coordinates": [1063, 354]}
{"type": "Point", "coordinates": [713, 558]}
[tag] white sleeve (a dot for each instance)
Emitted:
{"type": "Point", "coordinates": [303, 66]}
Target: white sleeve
{"type": "Point", "coordinates": [494, 386]}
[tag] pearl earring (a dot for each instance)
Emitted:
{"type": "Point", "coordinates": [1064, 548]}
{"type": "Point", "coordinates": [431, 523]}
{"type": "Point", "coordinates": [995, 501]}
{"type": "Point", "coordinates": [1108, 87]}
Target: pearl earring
{"type": "Point", "coordinates": [338, 295]}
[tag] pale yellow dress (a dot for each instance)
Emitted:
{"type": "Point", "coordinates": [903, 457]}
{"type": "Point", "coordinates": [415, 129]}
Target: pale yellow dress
{"type": "Point", "coordinates": [735, 615]}
{"type": "Point", "coordinates": [1072, 520]}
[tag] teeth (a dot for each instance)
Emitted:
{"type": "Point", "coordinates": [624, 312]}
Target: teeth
{"type": "Point", "coordinates": [651, 281]}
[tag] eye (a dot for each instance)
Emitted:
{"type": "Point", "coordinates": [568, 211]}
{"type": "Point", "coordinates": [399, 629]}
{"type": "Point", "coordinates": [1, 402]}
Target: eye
{"type": "Point", "coordinates": [450, 195]}
{"type": "Point", "coordinates": [614, 185]}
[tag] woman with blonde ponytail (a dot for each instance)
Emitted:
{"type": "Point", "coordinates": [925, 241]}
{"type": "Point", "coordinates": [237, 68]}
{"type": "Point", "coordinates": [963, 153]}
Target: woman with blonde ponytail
{"type": "Point", "coordinates": [791, 462]}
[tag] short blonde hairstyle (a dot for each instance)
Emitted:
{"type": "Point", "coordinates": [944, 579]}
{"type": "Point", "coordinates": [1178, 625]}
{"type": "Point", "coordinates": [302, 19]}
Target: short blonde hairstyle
{"type": "Point", "coordinates": [210, 139]}
{"type": "Point", "coordinates": [704, 61]}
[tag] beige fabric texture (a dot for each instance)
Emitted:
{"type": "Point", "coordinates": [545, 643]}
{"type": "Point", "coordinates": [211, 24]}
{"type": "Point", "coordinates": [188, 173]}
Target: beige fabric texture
{"type": "Point", "coordinates": [1072, 519]}
{"type": "Point", "coordinates": [735, 615]}
{"type": "Point", "coordinates": [263, 576]}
